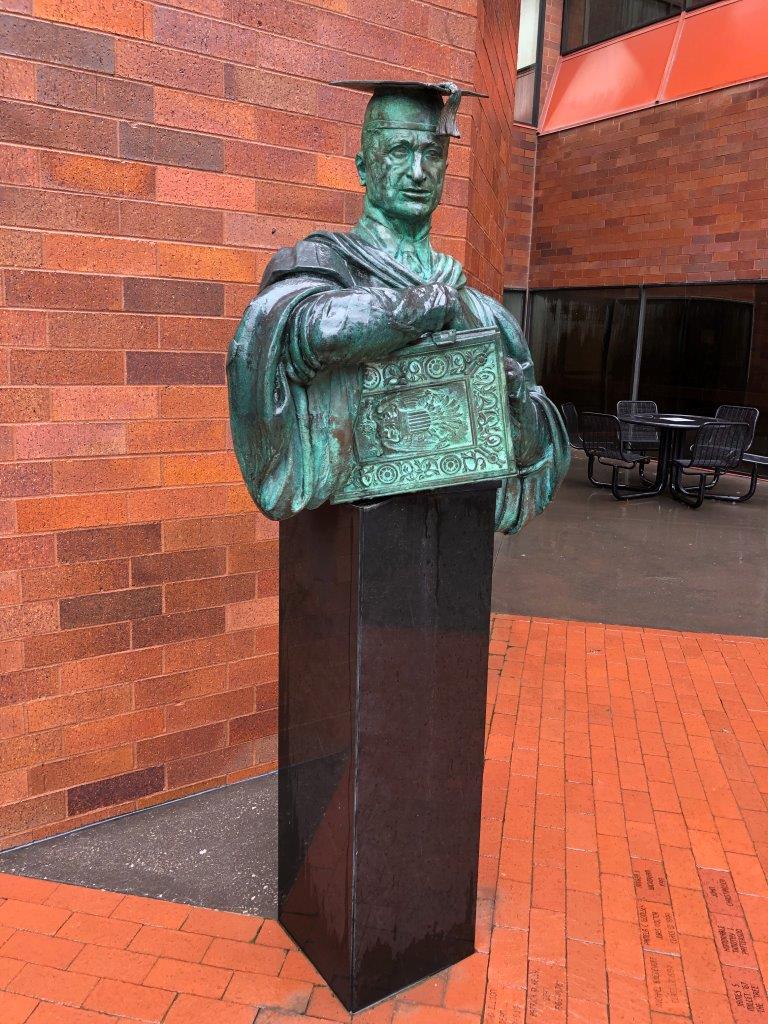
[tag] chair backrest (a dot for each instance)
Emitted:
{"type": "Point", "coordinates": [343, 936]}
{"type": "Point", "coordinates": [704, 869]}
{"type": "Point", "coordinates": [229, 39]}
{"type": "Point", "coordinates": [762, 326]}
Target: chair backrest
{"type": "Point", "coordinates": [637, 433]}
{"type": "Point", "coordinates": [740, 414]}
{"type": "Point", "coordinates": [719, 445]}
{"type": "Point", "coordinates": [571, 417]}
{"type": "Point", "coordinates": [601, 435]}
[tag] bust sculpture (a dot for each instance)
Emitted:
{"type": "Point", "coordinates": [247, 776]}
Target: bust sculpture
{"type": "Point", "coordinates": [334, 303]}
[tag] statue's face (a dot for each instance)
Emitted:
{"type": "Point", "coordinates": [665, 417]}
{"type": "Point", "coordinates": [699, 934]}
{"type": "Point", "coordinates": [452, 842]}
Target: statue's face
{"type": "Point", "coordinates": [403, 172]}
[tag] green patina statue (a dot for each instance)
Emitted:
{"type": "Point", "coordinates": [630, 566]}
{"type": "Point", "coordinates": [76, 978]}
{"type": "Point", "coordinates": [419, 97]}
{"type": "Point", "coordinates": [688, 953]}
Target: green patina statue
{"type": "Point", "coordinates": [367, 366]}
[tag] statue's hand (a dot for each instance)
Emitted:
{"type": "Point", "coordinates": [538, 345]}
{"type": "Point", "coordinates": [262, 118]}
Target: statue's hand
{"type": "Point", "coordinates": [440, 306]}
{"type": "Point", "coordinates": [515, 374]}
{"type": "Point", "coordinates": [352, 326]}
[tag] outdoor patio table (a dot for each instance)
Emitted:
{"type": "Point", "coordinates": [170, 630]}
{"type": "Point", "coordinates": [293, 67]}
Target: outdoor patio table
{"type": "Point", "coordinates": [672, 428]}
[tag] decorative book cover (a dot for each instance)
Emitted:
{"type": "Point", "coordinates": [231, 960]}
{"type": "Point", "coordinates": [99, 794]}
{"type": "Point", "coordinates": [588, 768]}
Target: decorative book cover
{"type": "Point", "coordinates": [434, 414]}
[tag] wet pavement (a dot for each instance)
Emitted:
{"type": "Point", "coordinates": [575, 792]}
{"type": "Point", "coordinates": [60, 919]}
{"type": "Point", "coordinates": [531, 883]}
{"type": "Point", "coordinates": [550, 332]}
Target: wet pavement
{"type": "Point", "coordinates": [641, 563]}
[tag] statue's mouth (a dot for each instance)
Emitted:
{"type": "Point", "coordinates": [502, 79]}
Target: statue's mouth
{"type": "Point", "coordinates": [415, 193]}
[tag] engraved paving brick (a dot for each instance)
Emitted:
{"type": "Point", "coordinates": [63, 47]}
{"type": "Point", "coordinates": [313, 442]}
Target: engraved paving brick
{"type": "Point", "coordinates": [546, 994]}
{"type": "Point", "coordinates": [650, 880]}
{"type": "Point", "coordinates": [720, 892]}
{"type": "Point", "coordinates": [746, 992]}
{"type": "Point", "coordinates": [657, 927]}
{"type": "Point", "coordinates": [666, 984]}
{"type": "Point", "coordinates": [734, 943]}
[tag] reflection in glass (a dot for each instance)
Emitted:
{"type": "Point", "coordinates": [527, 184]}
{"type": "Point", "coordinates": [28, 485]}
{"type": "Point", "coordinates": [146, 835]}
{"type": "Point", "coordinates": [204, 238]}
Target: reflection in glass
{"type": "Point", "coordinates": [583, 345]}
{"type": "Point", "coordinates": [528, 63]}
{"type": "Point", "coordinates": [703, 346]}
{"type": "Point", "coordinates": [514, 301]}
{"type": "Point", "coordinates": [586, 22]}
{"type": "Point", "coordinates": [696, 350]}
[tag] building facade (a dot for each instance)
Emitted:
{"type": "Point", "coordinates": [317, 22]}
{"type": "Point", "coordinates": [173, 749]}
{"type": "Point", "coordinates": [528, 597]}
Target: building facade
{"type": "Point", "coordinates": [152, 158]}
{"type": "Point", "coordinates": [647, 265]}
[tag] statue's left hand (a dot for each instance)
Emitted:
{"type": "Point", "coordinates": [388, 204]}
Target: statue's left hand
{"type": "Point", "coordinates": [515, 374]}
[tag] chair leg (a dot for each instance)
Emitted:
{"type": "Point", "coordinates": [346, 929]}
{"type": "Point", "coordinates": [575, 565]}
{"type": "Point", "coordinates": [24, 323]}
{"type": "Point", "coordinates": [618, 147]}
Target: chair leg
{"type": "Point", "coordinates": [715, 479]}
{"type": "Point", "coordinates": [628, 493]}
{"type": "Point", "coordinates": [693, 499]}
{"type": "Point", "coordinates": [737, 498]}
{"type": "Point", "coordinates": [591, 473]}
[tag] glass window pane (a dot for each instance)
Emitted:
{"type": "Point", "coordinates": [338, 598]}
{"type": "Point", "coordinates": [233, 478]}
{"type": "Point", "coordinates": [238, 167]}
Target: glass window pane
{"type": "Point", "coordinates": [696, 348]}
{"type": "Point", "coordinates": [583, 345]}
{"type": "Point", "coordinates": [525, 94]}
{"type": "Point", "coordinates": [514, 302]}
{"type": "Point", "coordinates": [528, 38]}
{"type": "Point", "coordinates": [757, 381]}
{"type": "Point", "coordinates": [587, 22]}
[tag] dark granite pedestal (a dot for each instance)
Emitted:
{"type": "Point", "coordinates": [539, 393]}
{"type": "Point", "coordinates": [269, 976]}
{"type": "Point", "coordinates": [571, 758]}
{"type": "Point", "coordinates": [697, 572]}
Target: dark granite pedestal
{"type": "Point", "coordinates": [383, 652]}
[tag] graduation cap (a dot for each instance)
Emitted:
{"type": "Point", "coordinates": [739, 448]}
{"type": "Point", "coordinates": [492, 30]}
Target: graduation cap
{"type": "Point", "coordinates": [444, 121]}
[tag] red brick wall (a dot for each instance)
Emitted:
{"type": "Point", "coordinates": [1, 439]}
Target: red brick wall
{"type": "Point", "coordinates": [672, 194]}
{"type": "Point", "coordinates": [520, 206]}
{"type": "Point", "coordinates": [494, 148]}
{"type": "Point", "coordinates": [524, 141]}
{"type": "Point", "coordinates": [151, 159]}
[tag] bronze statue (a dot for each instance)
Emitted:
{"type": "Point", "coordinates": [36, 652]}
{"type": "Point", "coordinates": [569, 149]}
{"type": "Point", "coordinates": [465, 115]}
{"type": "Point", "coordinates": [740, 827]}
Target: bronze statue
{"type": "Point", "coordinates": [335, 305]}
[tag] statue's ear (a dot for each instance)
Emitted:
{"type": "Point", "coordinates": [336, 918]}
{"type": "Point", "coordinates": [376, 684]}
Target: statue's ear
{"type": "Point", "coordinates": [360, 164]}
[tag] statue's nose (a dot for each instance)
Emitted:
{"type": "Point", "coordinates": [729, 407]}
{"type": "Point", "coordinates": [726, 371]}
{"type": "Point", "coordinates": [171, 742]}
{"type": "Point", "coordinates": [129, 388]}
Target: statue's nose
{"type": "Point", "coordinates": [417, 168]}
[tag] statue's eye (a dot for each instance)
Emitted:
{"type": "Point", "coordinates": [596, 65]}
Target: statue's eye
{"type": "Point", "coordinates": [399, 151]}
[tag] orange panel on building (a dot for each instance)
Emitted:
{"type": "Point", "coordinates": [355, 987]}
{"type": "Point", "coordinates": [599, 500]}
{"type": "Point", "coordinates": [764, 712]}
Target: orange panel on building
{"type": "Point", "coordinates": [720, 46]}
{"type": "Point", "coordinates": [623, 74]}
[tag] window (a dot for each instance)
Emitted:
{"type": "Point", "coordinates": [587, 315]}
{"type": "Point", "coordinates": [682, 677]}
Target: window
{"type": "Point", "coordinates": [514, 301]}
{"type": "Point", "coordinates": [701, 346]}
{"type": "Point", "coordinates": [583, 344]}
{"type": "Point", "coordinates": [586, 22]}
{"type": "Point", "coordinates": [528, 62]}
{"type": "Point", "coordinates": [696, 347]}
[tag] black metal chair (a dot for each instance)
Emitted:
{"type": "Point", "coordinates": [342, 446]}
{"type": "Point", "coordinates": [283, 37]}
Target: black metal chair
{"type": "Point", "coordinates": [717, 448]}
{"type": "Point", "coordinates": [571, 418]}
{"type": "Point", "coordinates": [603, 442]}
{"type": "Point", "coordinates": [740, 414]}
{"type": "Point", "coordinates": [638, 436]}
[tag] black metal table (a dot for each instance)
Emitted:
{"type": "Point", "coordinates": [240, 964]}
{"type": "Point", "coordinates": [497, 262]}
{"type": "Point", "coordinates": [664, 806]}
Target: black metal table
{"type": "Point", "coordinates": [672, 428]}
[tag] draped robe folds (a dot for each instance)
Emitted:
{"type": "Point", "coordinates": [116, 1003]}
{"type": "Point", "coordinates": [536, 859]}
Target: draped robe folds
{"type": "Point", "coordinates": [292, 419]}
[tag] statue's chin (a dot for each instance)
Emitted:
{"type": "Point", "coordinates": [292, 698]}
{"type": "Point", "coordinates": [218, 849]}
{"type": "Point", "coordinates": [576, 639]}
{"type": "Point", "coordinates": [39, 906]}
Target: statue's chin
{"type": "Point", "coordinates": [413, 210]}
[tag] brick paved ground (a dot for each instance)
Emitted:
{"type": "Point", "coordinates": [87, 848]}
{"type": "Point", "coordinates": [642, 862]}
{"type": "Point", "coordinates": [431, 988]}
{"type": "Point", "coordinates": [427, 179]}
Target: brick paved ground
{"type": "Point", "coordinates": [623, 877]}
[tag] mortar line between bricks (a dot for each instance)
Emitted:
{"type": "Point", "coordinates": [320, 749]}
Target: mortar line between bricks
{"type": "Point", "coordinates": [114, 34]}
{"type": "Point", "coordinates": [504, 816]}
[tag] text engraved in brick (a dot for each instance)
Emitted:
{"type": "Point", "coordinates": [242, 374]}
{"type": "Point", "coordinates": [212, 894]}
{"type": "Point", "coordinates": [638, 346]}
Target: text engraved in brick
{"type": "Point", "coordinates": [747, 995]}
{"type": "Point", "coordinates": [734, 945]}
{"type": "Point", "coordinates": [650, 881]}
{"type": "Point", "coordinates": [657, 927]}
{"type": "Point", "coordinates": [666, 985]}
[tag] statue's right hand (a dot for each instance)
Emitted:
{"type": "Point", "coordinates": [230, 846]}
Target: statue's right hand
{"type": "Point", "coordinates": [352, 326]}
{"type": "Point", "coordinates": [438, 305]}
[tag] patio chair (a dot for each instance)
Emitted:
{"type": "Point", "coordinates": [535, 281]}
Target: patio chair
{"type": "Point", "coordinates": [571, 417]}
{"type": "Point", "coordinates": [736, 414]}
{"type": "Point", "coordinates": [717, 448]}
{"type": "Point", "coordinates": [603, 441]}
{"type": "Point", "coordinates": [740, 414]}
{"type": "Point", "coordinates": [638, 436]}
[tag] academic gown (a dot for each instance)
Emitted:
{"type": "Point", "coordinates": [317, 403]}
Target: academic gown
{"type": "Point", "coordinates": [291, 418]}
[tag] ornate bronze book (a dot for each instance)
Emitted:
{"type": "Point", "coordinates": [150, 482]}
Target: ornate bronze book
{"type": "Point", "coordinates": [434, 414]}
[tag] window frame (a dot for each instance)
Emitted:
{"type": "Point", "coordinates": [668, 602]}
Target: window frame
{"type": "Point", "coordinates": [687, 6]}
